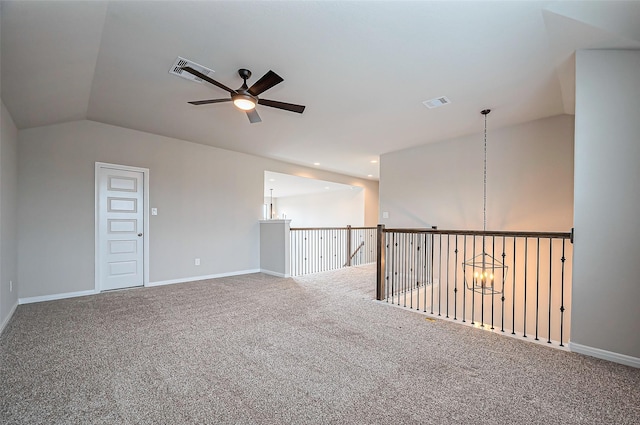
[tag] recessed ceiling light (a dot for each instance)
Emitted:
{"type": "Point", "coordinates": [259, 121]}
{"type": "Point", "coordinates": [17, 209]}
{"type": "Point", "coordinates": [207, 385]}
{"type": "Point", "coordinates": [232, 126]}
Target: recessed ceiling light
{"type": "Point", "coordinates": [369, 175]}
{"type": "Point", "coordinates": [374, 161]}
{"type": "Point", "coordinates": [437, 102]}
{"type": "Point", "coordinates": [326, 187]}
{"type": "Point", "coordinates": [316, 163]}
{"type": "Point", "coordinates": [272, 180]}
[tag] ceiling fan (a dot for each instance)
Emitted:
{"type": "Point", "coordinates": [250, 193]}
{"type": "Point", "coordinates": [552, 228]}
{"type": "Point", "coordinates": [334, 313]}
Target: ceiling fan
{"type": "Point", "coordinates": [246, 98]}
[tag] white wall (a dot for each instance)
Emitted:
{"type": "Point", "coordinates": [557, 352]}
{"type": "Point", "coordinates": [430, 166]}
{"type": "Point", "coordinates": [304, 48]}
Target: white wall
{"type": "Point", "coordinates": [606, 270]}
{"type": "Point", "coordinates": [209, 202]}
{"type": "Point", "coordinates": [529, 179]}
{"type": "Point", "coordinates": [332, 209]}
{"type": "Point", "coordinates": [8, 216]}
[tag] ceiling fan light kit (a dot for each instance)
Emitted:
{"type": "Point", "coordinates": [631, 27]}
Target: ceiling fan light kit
{"type": "Point", "coordinates": [246, 98]}
{"type": "Point", "coordinates": [246, 102]}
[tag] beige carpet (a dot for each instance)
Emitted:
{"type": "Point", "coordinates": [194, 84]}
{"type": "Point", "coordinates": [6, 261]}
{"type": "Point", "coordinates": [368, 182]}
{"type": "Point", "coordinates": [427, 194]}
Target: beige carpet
{"type": "Point", "coordinates": [257, 349]}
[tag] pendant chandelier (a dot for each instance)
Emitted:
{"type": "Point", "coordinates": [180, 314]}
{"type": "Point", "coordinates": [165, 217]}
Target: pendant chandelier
{"type": "Point", "coordinates": [483, 273]}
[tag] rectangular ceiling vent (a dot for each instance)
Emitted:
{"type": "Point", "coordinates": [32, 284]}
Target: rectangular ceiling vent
{"type": "Point", "coordinates": [176, 69]}
{"type": "Point", "coordinates": [437, 102]}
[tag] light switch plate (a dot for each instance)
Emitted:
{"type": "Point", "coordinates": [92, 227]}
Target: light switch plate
{"type": "Point", "coordinates": [154, 211]}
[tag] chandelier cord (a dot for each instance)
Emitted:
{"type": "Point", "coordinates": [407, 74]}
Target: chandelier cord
{"type": "Point", "coordinates": [484, 194]}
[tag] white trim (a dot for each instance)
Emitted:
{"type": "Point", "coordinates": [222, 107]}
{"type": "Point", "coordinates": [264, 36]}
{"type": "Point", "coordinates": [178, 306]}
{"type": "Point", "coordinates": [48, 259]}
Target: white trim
{"type": "Point", "coordinates": [53, 297]}
{"type": "Point", "coordinates": [196, 278]}
{"type": "Point", "coordinates": [145, 173]}
{"type": "Point", "coordinates": [272, 273]}
{"type": "Point", "coordinates": [604, 354]}
{"type": "Point", "coordinates": [9, 316]}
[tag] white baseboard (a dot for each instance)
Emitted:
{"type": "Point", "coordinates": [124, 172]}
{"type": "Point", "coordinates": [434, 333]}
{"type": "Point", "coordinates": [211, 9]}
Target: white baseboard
{"type": "Point", "coordinates": [605, 355]}
{"type": "Point", "coordinates": [9, 316]}
{"type": "Point", "coordinates": [272, 273]}
{"type": "Point", "coordinates": [196, 278]}
{"type": "Point", "coordinates": [53, 297]}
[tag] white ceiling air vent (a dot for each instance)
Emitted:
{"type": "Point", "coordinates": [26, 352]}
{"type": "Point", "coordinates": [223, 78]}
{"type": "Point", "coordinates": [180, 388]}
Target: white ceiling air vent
{"type": "Point", "coordinates": [176, 69]}
{"type": "Point", "coordinates": [437, 102]}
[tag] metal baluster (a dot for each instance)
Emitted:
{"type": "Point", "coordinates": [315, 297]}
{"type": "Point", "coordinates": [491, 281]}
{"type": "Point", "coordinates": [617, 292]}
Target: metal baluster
{"type": "Point", "coordinates": [415, 251]}
{"type": "Point", "coordinates": [493, 272]}
{"type": "Point", "coordinates": [394, 271]}
{"type": "Point", "coordinates": [304, 252]}
{"type": "Point", "coordinates": [455, 283]}
{"type": "Point", "coordinates": [326, 248]}
{"type": "Point", "coordinates": [550, 279]}
{"type": "Point", "coordinates": [294, 252]}
{"type": "Point", "coordinates": [432, 266]}
{"type": "Point", "coordinates": [310, 251]}
{"type": "Point", "coordinates": [409, 277]}
{"type": "Point", "coordinates": [562, 295]}
{"type": "Point", "coordinates": [513, 291]}
{"type": "Point", "coordinates": [425, 255]}
{"type": "Point", "coordinates": [314, 246]}
{"type": "Point", "coordinates": [464, 292]}
{"type": "Point", "coordinates": [484, 251]}
{"type": "Point", "coordinates": [504, 244]}
{"type": "Point", "coordinates": [526, 263]}
{"type": "Point", "coordinates": [419, 273]}
{"type": "Point", "coordinates": [440, 276]}
{"type": "Point", "coordinates": [392, 248]}
{"type": "Point", "coordinates": [300, 252]}
{"type": "Point", "coordinates": [448, 268]}
{"type": "Point", "coordinates": [317, 236]}
{"type": "Point", "coordinates": [537, 284]}
{"type": "Point", "coordinates": [405, 263]}
{"type": "Point", "coordinates": [329, 260]}
{"type": "Point", "coordinates": [296, 255]}
{"type": "Point", "coordinates": [473, 292]}
{"type": "Point", "coordinates": [388, 263]}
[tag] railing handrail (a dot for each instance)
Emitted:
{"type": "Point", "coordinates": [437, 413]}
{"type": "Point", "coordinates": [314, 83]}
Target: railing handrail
{"type": "Point", "coordinates": [506, 233]}
{"type": "Point", "coordinates": [333, 228]}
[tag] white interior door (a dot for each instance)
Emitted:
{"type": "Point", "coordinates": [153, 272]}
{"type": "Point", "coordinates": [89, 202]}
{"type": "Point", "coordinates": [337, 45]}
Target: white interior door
{"type": "Point", "coordinates": [120, 203]}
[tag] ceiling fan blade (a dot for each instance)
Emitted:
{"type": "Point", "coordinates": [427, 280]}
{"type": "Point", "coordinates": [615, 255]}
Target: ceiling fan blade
{"type": "Point", "coordinates": [253, 116]}
{"type": "Point", "coordinates": [282, 105]}
{"type": "Point", "coordinates": [267, 81]}
{"type": "Point", "coordinates": [207, 79]}
{"type": "Point", "coordinates": [206, 102]}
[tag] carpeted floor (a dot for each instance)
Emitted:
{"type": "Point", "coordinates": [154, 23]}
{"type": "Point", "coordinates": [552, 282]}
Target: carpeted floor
{"type": "Point", "coordinates": [257, 349]}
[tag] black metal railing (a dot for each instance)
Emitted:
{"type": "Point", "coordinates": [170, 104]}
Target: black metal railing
{"type": "Point", "coordinates": [317, 249]}
{"type": "Point", "coordinates": [524, 290]}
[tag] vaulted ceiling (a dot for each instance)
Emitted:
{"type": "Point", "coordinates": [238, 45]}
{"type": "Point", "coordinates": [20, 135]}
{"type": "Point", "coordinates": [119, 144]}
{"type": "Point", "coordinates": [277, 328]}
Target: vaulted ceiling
{"type": "Point", "coordinates": [362, 69]}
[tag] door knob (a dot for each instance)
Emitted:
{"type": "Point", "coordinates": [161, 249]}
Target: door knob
{"type": "Point", "coordinates": [139, 234]}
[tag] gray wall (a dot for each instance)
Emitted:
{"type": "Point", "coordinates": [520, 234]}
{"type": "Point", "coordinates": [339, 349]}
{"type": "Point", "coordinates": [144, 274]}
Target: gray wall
{"type": "Point", "coordinates": [529, 179]}
{"type": "Point", "coordinates": [606, 269]}
{"type": "Point", "coordinates": [8, 216]}
{"type": "Point", "coordinates": [274, 247]}
{"type": "Point", "coordinates": [209, 202]}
